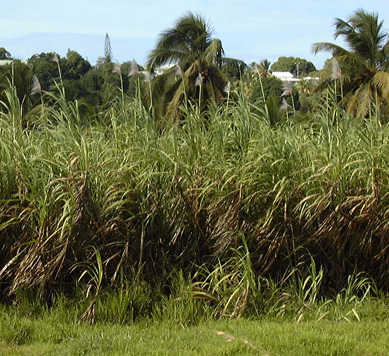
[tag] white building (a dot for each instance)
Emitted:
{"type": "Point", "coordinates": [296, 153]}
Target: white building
{"type": "Point", "coordinates": [285, 77]}
{"type": "Point", "coordinates": [4, 62]}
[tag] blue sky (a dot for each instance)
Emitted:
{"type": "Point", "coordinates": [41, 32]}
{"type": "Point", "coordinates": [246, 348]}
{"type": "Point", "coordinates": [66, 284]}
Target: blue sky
{"type": "Point", "coordinates": [249, 30]}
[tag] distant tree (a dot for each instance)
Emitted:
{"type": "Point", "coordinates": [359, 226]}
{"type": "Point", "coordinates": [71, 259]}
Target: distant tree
{"type": "Point", "coordinates": [305, 86]}
{"type": "Point", "coordinates": [308, 95]}
{"type": "Point", "coordinates": [45, 69]}
{"type": "Point", "coordinates": [74, 66]}
{"type": "Point", "coordinates": [107, 49]}
{"type": "Point", "coordinates": [93, 83]}
{"type": "Point", "coordinates": [20, 75]}
{"type": "Point", "coordinates": [234, 69]}
{"type": "Point", "coordinates": [297, 66]}
{"type": "Point", "coordinates": [105, 81]}
{"type": "Point", "coordinates": [4, 54]}
{"type": "Point", "coordinates": [131, 79]}
{"type": "Point", "coordinates": [261, 69]}
{"type": "Point", "coordinates": [111, 83]}
{"type": "Point", "coordinates": [272, 86]}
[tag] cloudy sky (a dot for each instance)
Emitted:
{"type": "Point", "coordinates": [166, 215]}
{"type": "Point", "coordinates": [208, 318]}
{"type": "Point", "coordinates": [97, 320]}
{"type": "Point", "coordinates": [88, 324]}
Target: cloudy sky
{"type": "Point", "coordinates": [250, 30]}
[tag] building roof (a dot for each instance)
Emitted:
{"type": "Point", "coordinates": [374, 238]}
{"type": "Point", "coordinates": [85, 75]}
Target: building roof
{"type": "Point", "coordinates": [4, 62]}
{"type": "Point", "coordinates": [285, 76]}
{"type": "Point", "coordinates": [282, 74]}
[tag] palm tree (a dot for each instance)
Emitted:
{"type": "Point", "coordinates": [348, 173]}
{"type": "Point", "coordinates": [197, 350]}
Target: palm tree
{"type": "Point", "coordinates": [4, 54]}
{"type": "Point", "coordinates": [196, 76]}
{"type": "Point", "coordinates": [305, 86]}
{"type": "Point", "coordinates": [364, 65]}
{"type": "Point", "coordinates": [20, 75]}
{"type": "Point", "coordinates": [262, 69]}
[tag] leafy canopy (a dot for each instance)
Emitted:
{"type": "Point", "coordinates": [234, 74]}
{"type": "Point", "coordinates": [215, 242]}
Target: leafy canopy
{"type": "Point", "coordinates": [295, 65]}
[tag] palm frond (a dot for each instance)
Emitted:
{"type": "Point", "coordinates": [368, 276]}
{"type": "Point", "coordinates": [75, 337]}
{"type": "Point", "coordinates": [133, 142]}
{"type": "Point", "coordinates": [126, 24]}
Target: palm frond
{"type": "Point", "coordinates": [342, 28]}
{"type": "Point", "coordinates": [359, 103]}
{"type": "Point", "coordinates": [213, 52]}
{"type": "Point", "coordinates": [381, 81]}
{"type": "Point", "coordinates": [334, 49]}
{"type": "Point", "coordinates": [197, 56]}
{"type": "Point", "coordinates": [185, 42]}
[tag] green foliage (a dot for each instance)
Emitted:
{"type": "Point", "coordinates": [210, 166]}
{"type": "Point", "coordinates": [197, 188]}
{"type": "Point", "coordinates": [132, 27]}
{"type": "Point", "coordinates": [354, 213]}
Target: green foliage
{"type": "Point", "coordinates": [49, 335]}
{"type": "Point", "coordinates": [45, 69]}
{"type": "Point", "coordinates": [242, 209]}
{"type": "Point", "coordinates": [133, 301]}
{"type": "Point", "coordinates": [107, 49]}
{"type": "Point", "coordinates": [4, 54]}
{"type": "Point", "coordinates": [196, 79]}
{"type": "Point", "coordinates": [362, 68]}
{"type": "Point", "coordinates": [271, 87]}
{"type": "Point", "coordinates": [182, 305]}
{"type": "Point", "coordinates": [274, 112]}
{"type": "Point", "coordinates": [18, 331]}
{"type": "Point", "coordinates": [155, 201]}
{"type": "Point", "coordinates": [234, 69]}
{"type": "Point", "coordinates": [68, 72]}
{"type": "Point", "coordinates": [18, 74]}
{"type": "Point", "coordinates": [74, 66]}
{"type": "Point", "coordinates": [231, 287]}
{"type": "Point", "coordinates": [299, 67]}
{"type": "Point", "coordinates": [308, 95]}
{"type": "Point", "coordinates": [261, 69]}
{"type": "Point", "coordinates": [103, 84]}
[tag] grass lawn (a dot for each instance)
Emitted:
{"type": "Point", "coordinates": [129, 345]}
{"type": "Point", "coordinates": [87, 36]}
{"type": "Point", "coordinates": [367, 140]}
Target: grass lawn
{"type": "Point", "coordinates": [276, 337]}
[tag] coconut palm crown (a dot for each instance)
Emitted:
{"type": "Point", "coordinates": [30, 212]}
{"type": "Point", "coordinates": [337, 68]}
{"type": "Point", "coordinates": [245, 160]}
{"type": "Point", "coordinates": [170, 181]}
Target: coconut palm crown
{"type": "Point", "coordinates": [196, 76]}
{"type": "Point", "coordinates": [262, 69]}
{"type": "Point", "coordinates": [188, 41]}
{"type": "Point", "coordinates": [365, 64]}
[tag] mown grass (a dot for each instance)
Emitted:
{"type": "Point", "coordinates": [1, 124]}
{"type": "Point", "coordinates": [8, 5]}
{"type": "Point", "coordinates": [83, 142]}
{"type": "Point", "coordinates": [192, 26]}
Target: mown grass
{"type": "Point", "coordinates": [191, 321]}
{"type": "Point", "coordinates": [58, 333]}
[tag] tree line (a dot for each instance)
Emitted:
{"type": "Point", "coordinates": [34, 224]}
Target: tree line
{"type": "Point", "coordinates": [199, 72]}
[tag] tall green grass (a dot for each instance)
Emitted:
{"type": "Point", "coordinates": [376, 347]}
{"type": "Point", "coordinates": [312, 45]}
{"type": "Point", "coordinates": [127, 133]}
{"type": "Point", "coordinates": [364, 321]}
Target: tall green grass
{"type": "Point", "coordinates": [126, 198]}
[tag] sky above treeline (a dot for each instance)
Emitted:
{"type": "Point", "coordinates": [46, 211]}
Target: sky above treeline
{"type": "Point", "coordinates": [250, 30]}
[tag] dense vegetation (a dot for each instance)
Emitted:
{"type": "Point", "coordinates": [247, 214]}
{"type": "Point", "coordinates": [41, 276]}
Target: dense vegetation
{"type": "Point", "coordinates": [186, 187]}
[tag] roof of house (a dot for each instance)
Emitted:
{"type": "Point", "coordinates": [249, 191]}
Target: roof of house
{"type": "Point", "coordinates": [4, 62]}
{"type": "Point", "coordinates": [283, 75]}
